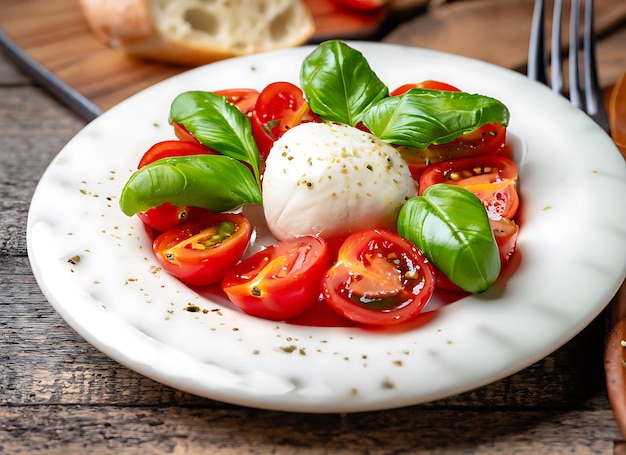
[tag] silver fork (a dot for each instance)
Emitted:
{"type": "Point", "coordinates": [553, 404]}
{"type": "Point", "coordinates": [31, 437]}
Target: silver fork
{"type": "Point", "coordinates": [586, 94]}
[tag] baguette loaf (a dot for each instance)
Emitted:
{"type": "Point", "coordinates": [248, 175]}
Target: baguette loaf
{"type": "Point", "coordinates": [194, 32]}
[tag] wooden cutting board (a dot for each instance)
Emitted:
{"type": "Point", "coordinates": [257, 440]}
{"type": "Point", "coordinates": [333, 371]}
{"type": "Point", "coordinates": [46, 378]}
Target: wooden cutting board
{"type": "Point", "coordinates": [55, 34]}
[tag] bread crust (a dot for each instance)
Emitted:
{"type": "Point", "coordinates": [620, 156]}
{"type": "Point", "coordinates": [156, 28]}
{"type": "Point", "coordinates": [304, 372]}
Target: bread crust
{"type": "Point", "coordinates": [160, 29]}
{"type": "Point", "coordinates": [115, 21]}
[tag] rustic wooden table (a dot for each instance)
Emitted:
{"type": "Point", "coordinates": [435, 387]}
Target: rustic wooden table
{"type": "Point", "coordinates": [58, 394]}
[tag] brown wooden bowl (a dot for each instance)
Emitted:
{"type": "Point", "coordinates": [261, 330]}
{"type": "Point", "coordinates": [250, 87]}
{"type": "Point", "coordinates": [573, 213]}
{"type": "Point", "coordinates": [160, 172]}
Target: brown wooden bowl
{"type": "Point", "coordinates": [617, 114]}
{"type": "Point", "coordinates": [615, 359]}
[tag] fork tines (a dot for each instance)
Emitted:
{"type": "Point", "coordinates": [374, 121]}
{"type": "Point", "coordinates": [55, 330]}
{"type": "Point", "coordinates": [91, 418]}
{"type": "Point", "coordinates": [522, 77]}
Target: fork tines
{"type": "Point", "coordinates": [585, 95]}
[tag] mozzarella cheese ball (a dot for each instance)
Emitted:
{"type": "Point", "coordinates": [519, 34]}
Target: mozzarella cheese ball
{"type": "Point", "coordinates": [330, 180]}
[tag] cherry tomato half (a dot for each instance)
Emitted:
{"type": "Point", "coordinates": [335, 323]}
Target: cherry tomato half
{"type": "Point", "coordinates": [201, 251]}
{"type": "Point", "coordinates": [280, 106]}
{"type": "Point", "coordinates": [167, 149]}
{"type": "Point", "coordinates": [505, 232]}
{"type": "Point", "coordinates": [183, 133]}
{"type": "Point", "coordinates": [166, 216]}
{"type": "Point", "coordinates": [488, 139]}
{"type": "Point", "coordinates": [428, 84]}
{"type": "Point", "coordinates": [417, 160]}
{"type": "Point", "coordinates": [281, 281]}
{"type": "Point", "coordinates": [379, 278]}
{"type": "Point", "coordinates": [243, 99]}
{"type": "Point", "coordinates": [492, 178]}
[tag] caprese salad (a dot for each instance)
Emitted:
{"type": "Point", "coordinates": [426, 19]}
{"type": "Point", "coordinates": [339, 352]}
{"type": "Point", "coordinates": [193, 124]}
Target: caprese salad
{"type": "Point", "coordinates": [375, 196]}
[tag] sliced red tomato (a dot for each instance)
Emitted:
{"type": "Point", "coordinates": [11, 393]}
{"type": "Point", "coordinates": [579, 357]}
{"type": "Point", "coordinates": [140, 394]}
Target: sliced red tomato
{"type": "Point", "coordinates": [499, 198]}
{"type": "Point", "coordinates": [201, 251]}
{"type": "Point", "coordinates": [488, 139]}
{"type": "Point", "coordinates": [470, 170]}
{"type": "Point", "coordinates": [243, 99]}
{"type": "Point", "coordinates": [166, 216]}
{"type": "Point", "coordinates": [168, 149]}
{"type": "Point", "coordinates": [416, 159]}
{"type": "Point", "coordinates": [443, 282]}
{"type": "Point", "coordinates": [279, 107]}
{"type": "Point", "coordinates": [183, 133]}
{"type": "Point", "coordinates": [428, 84]}
{"type": "Point", "coordinates": [379, 278]}
{"type": "Point", "coordinates": [281, 281]}
{"type": "Point", "coordinates": [492, 178]}
{"type": "Point", "coordinates": [505, 232]}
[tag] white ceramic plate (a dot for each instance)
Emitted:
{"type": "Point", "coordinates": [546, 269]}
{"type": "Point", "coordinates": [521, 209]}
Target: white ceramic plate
{"type": "Point", "coordinates": [571, 258]}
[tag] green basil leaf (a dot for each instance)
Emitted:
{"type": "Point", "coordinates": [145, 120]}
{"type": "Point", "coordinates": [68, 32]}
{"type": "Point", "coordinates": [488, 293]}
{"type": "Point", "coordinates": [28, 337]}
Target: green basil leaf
{"type": "Point", "coordinates": [339, 83]}
{"type": "Point", "coordinates": [451, 227]}
{"type": "Point", "coordinates": [214, 182]}
{"type": "Point", "coordinates": [423, 117]}
{"type": "Point", "coordinates": [217, 124]}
